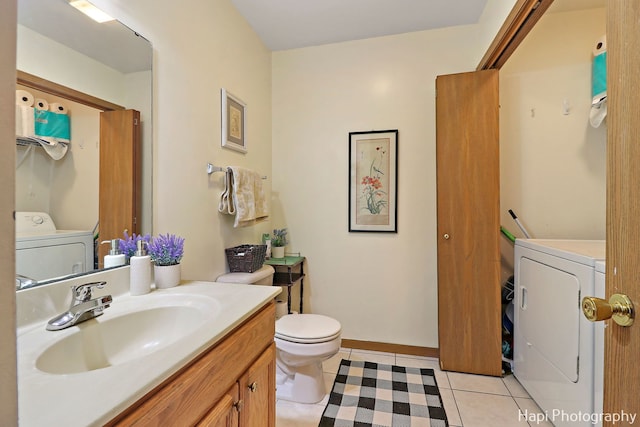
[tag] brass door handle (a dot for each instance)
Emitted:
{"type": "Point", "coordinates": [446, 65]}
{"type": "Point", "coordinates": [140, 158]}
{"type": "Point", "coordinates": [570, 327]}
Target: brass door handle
{"type": "Point", "coordinates": [619, 308]}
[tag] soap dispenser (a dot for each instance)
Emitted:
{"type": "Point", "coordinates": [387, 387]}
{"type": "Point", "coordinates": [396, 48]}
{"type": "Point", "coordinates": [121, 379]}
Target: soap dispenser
{"type": "Point", "coordinates": [140, 271]}
{"type": "Point", "coordinates": [114, 258]}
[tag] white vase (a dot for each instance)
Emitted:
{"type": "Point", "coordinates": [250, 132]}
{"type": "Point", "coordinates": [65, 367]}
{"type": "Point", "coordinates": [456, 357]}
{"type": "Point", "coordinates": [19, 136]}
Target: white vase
{"type": "Point", "coordinates": [166, 276]}
{"type": "Point", "coordinates": [277, 252]}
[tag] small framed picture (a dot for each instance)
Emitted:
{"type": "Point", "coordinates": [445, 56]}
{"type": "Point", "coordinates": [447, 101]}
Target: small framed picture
{"type": "Point", "coordinates": [373, 181]}
{"type": "Point", "coordinates": [234, 122]}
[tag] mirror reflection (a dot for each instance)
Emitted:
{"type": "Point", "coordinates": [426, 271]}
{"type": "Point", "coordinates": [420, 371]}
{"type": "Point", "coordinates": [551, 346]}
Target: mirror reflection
{"type": "Point", "coordinates": [87, 76]}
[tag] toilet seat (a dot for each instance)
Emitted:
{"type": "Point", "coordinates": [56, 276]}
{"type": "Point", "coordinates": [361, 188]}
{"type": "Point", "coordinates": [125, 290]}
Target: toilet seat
{"type": "Point", "coordinates": [307, 328]}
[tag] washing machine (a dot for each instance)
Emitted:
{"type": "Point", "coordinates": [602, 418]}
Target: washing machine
{"type": "Point", "coordinates": [555, 354]}
{"type": "Point", "coordinates": [43, 252]}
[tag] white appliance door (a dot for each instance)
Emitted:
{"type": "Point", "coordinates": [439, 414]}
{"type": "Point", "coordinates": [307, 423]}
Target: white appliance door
{"type": "Point", "coordinates": [46, 262]}
{"type": "Point", "coordinates": [548, 315]}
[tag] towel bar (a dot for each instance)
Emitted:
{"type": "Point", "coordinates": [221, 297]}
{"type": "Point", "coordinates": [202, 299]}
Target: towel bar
{"type": "Point", "coordinates": [211, 169]}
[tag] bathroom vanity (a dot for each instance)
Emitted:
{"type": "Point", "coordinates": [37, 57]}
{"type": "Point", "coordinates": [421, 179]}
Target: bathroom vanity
{"type": "Point", "coordinates": [201, 353]}
{"type": "Point", "coordinates": [231, 384]}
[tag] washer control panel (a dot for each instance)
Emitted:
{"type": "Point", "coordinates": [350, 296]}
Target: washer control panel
{"type": "Point", "coordinates": [34, 222]}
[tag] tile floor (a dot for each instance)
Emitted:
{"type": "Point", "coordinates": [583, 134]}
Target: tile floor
{"type": "Point", "coordinates": [469, 400]}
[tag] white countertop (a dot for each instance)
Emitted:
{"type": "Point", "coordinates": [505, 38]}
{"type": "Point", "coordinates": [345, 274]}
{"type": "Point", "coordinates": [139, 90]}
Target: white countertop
{"type": "Point", "coordinates": [97, 396]}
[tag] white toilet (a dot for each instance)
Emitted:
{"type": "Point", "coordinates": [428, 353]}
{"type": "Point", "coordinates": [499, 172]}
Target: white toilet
{"type": "Point", "coordinates": [303, 342]}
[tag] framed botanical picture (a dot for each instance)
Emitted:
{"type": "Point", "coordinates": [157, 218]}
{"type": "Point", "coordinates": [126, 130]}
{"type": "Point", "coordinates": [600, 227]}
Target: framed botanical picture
{"type": "Point", "coordinates": [373, 181]}
{"type": "Point", "coordinates": [234, 122]}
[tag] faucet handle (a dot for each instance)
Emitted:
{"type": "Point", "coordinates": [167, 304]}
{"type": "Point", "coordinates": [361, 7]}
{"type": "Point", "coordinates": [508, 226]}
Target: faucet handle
{"type": "Point", "coordinates": [82, 293]}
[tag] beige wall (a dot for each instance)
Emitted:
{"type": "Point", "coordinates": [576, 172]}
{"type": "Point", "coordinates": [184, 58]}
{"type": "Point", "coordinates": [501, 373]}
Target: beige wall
{"type": "Point", "coordinates": [197, 51]}
{"type": "Point", "coordinates": [552, 164]}
{"type": "Point", "coordinates": [381, 287]}
{"type": "Point", "coordinates": [48, 59]}
{"type": "Point", "coordinates": [8, 383]}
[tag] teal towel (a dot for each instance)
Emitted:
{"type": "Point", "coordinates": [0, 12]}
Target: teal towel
{"type": "Point", "coordinates": [52, 125]}
{"type": "Point", "coordinates": [599, 75]}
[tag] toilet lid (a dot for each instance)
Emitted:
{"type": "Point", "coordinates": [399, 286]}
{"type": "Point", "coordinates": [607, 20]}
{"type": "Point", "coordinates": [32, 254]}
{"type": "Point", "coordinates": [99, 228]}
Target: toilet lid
{"type": "Point", "coordinates": [307, 328]}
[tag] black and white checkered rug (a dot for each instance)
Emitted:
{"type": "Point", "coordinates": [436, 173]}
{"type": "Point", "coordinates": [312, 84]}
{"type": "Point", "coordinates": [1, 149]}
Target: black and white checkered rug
{"type": "Point", "coordinates": [367, 394]}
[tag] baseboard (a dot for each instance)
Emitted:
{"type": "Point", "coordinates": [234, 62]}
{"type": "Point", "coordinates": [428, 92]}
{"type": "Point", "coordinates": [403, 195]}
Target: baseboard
{"type": "Point", "coordinates": [391, 348]}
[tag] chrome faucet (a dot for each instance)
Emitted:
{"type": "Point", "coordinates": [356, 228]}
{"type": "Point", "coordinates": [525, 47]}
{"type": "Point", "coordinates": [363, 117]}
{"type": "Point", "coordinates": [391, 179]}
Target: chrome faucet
{"type": "Point", "coordinates": [24, 282]}
{"type": "Point", "coordinates": [82, 307]}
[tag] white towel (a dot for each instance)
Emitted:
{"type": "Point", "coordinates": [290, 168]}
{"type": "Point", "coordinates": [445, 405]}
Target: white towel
{"type": "Point", "coordinates": [243, 197]}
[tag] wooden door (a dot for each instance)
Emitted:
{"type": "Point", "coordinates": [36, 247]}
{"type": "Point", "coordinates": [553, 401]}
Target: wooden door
{"type": "Point", "coordinates": [225, 412]}
{"type": "Point", "coordinates": [622, 345]}
{"type": "Point", "coordinates": [468, 182]}
{"type": "Point", "coordinates": [120, 175]}
{"type": "Point", "coordinates": [258, 391]}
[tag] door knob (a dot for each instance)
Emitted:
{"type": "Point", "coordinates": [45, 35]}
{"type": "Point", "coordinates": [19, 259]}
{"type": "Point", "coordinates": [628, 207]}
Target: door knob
{"type": "Point", "coordinates": [619, 308]}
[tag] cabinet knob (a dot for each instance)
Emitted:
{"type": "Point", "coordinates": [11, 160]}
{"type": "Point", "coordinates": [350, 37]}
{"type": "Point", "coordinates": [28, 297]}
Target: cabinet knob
{"type": "Point", "coordinates": [238, 405]}
{"type": "Point", "coordinates": [446, 236]}
{"type": "Point", "coordinates": [253, 386]}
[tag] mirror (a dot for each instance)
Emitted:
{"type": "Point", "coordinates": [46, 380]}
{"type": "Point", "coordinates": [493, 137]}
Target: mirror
{"type": "Point", "coordinates": [106, 65]}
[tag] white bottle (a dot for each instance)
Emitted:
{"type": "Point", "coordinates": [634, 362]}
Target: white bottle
{"type": "Point", "coordinates": [140, 271]}
{"type": "Point", "coordinates": [114, 258]}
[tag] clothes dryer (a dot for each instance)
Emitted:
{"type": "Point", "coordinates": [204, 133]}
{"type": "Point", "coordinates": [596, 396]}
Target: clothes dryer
{"type": "Point", "coordinates": [554, 344]}
{"type": "Point", "coordinates": [43, 252]}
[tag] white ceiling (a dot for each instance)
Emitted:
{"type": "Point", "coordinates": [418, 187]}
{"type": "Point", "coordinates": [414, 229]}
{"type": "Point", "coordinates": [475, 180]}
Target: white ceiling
{"type": "Point", "coordinates": [281, 24]}
{"type": "Point", "coordinates": [111, 43]}
{"type": "Point", "coordinates": [288, 24]}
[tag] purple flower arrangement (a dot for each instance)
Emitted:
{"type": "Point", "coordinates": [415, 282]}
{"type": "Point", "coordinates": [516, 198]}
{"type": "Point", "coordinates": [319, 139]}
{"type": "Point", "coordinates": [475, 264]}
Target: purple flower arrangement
{"type": "Point", "coordinates": [128, 245]}
{"type": "Point", "coordinates": [166, 249]}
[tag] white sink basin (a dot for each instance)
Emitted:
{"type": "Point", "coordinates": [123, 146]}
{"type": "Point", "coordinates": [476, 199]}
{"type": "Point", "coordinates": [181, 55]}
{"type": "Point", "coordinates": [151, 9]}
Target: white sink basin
{"type": "Point", "coordinates": [98, 343]}
{"type": "Point", "coordinates": [87, 374]}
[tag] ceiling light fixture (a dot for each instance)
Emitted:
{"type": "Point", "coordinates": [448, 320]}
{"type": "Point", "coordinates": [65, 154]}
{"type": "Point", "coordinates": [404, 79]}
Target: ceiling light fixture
{"type": "Point", "coordinates": [91, 11]}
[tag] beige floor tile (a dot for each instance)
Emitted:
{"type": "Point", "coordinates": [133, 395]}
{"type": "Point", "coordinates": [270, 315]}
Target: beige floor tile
{"type": "Point", "coordinates": [488, 410]}
{"type": "Point", "coordinates": [333, 364]}
{"type": "Point", "coordinates": [479, 383]}
{"type": "Point", "coordinates": [450, 407]}
{"type": "Point", "coordinates": [514, 386]}
{"type": "Point", "coordinates": [373, 356]}
{"type": "Point", "coordinates": [533, 413]}
{"type": "Point", "coordinates": [425, 362]}
{"type": "Point", "coordinates": [290, 414]}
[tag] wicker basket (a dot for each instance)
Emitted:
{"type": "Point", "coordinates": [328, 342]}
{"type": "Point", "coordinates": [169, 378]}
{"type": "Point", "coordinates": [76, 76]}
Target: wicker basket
{"type": "Point", "coordinates": [246, 258]}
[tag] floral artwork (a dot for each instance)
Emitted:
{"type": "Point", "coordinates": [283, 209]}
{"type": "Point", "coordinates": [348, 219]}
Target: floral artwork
{"type": "Point", "coordinates": [373, 176]}
{"type": "Point", "coordinates": [374, 197]}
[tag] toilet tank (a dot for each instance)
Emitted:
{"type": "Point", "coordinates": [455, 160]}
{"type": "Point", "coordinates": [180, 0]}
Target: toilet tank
{"type": "Point", "coordinates": [263, 276]}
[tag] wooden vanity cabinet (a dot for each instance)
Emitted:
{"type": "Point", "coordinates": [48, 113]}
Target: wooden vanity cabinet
{"type": "Point", "coordinates": [232, 384]}
{"type": "Point", "coordinates": [225, 412]}
{"type": "Point", "coordinates": [250, 402]}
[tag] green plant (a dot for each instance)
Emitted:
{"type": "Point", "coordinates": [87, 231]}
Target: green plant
{"type": "Point", "coordinates": [279, 237]}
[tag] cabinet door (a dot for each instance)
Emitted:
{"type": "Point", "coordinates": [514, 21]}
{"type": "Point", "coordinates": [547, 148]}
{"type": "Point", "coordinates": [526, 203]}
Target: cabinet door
{"type": "Point", "coordinates": [468, 181]}
{"type": "Point", "coordinates": [120, 175]}
{"type": "Point", "coordinates": [225, 413]}
{"type": "Point", "coordinates": [258, 391]}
